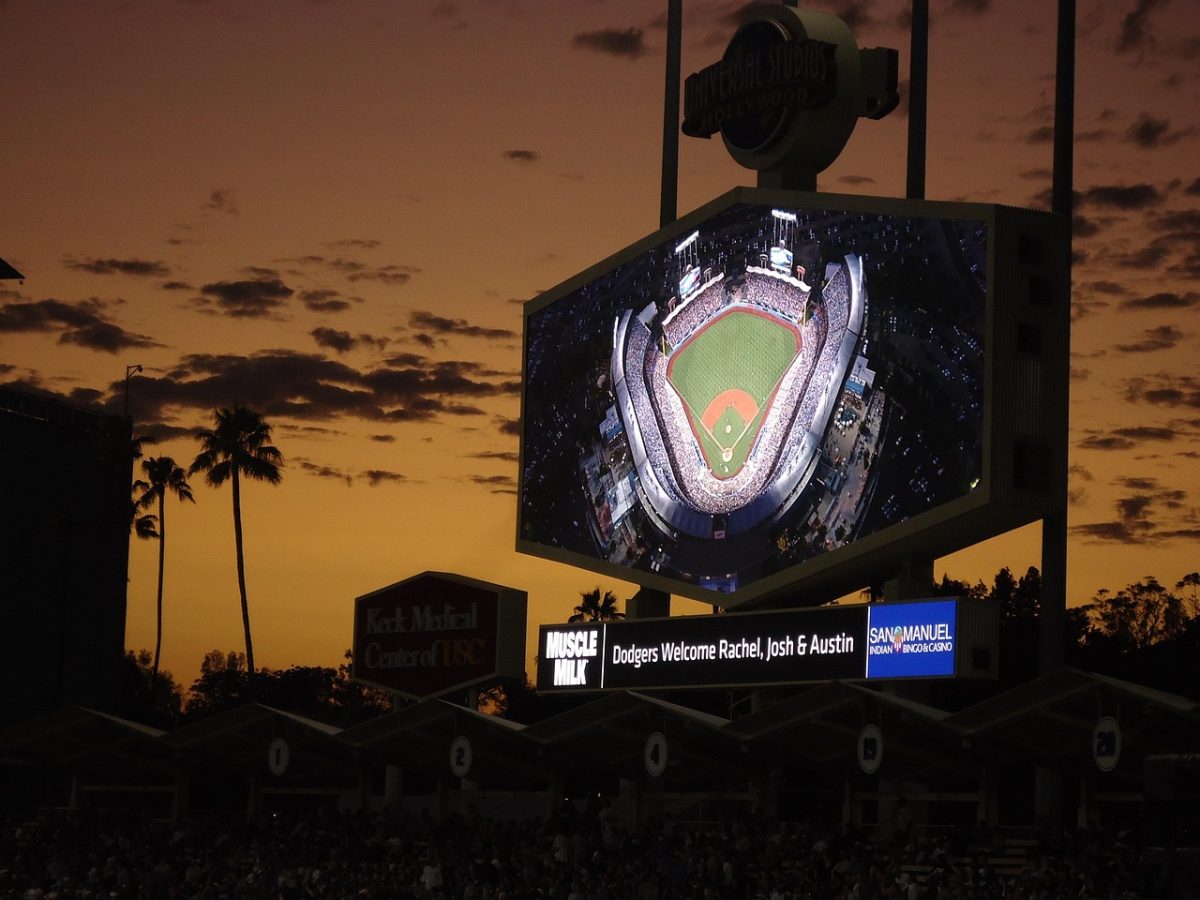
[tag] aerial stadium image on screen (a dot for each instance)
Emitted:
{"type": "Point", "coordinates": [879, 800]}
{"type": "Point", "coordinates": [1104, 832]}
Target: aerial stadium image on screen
{"type": "Point", "coordinates": [764, 389]}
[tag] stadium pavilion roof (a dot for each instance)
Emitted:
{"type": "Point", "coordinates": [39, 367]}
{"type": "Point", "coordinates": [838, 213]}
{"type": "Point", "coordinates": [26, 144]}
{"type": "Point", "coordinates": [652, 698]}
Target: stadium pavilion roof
{"type": "Point", "coordinates": [1052, 719]}
{"type": "Point", "coordinates": [237, 741]}
{"type": "Point", "coordinates": [822, 726]}
{"type": "Point", "coordinates": [88, 742]}
{"type": "Point", "coordinates": [417, 738]}
{"type": "Point", "coordinates": [1048, 721]}
{"type": "Point", "coordinates": [610, 735]}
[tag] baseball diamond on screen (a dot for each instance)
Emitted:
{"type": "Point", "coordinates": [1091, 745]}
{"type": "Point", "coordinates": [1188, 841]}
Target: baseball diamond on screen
{"type": "Point", "coordinates": [776, 384]}
{"type": "Point", "coordinates": [726, 374]}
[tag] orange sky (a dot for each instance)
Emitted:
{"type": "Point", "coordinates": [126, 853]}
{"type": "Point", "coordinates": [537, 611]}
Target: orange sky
{"type": "Point", "coordinates": [394, 178]}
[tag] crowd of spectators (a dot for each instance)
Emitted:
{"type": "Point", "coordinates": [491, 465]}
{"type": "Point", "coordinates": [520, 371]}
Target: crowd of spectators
{"type": "Point", "coordinates": [681, 322]}
{"type": "Point", "coordinates": [574, 855]}
{"type": "Point", "coordinates": [774, 295]}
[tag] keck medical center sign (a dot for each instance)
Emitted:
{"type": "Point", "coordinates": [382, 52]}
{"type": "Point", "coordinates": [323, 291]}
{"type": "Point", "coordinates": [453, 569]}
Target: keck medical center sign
{"type": "Point", "coordinates": [925, 639]}
{"type": "Point", "coordinates": [436, 632]}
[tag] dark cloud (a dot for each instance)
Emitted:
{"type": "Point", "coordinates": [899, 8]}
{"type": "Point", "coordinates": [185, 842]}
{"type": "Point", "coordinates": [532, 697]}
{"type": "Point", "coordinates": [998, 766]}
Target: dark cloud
{"type": "Point", "coordinates": [339, 341]}
{"type": "Point", "coordinates": [325, 301]}
{"type": "Point", "coordinates": [376, 477]}
{"type": "Point", "coordinates": [261, 272]}
{"type": "Point", "coordinates": [1146, 433]}
{"type": "Point", "coordinates": [627, 42]}
{"type": "Point", "coordinates": [1149, 257]}
{"type": "Point", "coordinates": [1078, 471]}
{"type": "Point", "coordinates": [246, 299]}
{"type": "Point", "coordinates": [176, 286]}
{"type": "Point", "coordinates": [856, 179]}
{"type": "Point", "coordinates": [1193, 189]}
{"type": "Point", "coordinates": [320, 470]}
{"type": "Point", "coordinates": [222, 200]}
{"type": "Point", "coordinates": [1137, 483]}
{"type": "Point", "coordinates": [1109, 533]}
{"type": "Point", "coordinates": [1083, 227]}
{"type": "Point", "coordinates": [1037, 174]}
{"type": "Point", "coordinates": [312, 387]}
{"type": "Point", "coordinates": [500, 455]}
{"type": "Point", "coordinates": [511, 427]}
{"type": "Point", "coordinates": [1164, 337]}
{"type": "Point", "coordinates": [355, 244]}
{"type": "Point", "coordinates": [1132, 509]}
{"type": "Point", "coordinates": [499, 484]}
{"type": "Point", "coordinates": [854, 14]}
{"type": "Point", "coordinates": [1184, 220]}
{"type": "Point", "coordinates": [1125, 196]}
{"type": "Point", "coordinates": [1043, 134]}
{"type": "Point", "coordinates": [137, 267]}
{"type": "Point", "coordinates": [383, 438]}
{"type": "Point", "coordinates": [356, 270]}
{"type": "Point", "coordinates": [429, 322]}
{"type": "Point", "coordinates": [392, 274]}
{"type": "Point", "coordinates": [83, 323]}
{"type": "Point", "coordinates": [1105, 442]}
{"type": "Point", "coordinates": [1133, 34]}
{"type": "Point", "coordinates": [972, 7]}
{"type": "Point", "coordinates": [1164, 390]}
{"type": "Point", "coordinates": [1163, 300]}
{"type": "Point", "coordinates": [523, 156]}
{"type": "Point", "coordinates": [1148, 132]}
{"type": "Point", "coordinates": [1107, 287]}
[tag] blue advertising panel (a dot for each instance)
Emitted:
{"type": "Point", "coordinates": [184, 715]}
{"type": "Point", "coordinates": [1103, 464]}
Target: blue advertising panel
{"type": "Point", "coordinates": [911, 640]}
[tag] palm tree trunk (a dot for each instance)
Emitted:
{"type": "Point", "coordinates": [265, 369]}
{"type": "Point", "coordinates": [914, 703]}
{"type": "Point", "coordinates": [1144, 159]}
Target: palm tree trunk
{"type": "Point", "coordinates": [241, 574]}
{"type": "Point", "coordinates": [162, 550]}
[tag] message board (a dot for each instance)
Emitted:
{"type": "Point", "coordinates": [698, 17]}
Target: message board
{"type": "Point", "coordinates": [926, 639]}
{"type": "Point", "coordinates": [437, 632]}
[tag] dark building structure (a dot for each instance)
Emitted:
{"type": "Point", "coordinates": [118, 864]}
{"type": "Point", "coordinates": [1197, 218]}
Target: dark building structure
{"type": "Point", "coordinates": [65, 476]}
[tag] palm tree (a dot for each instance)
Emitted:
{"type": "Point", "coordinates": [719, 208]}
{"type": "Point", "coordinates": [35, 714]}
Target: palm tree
{"type": "Point", "coordinates": [594, 607]}
{"type": "Point", "coordinates": [238, 445]}
{"type": "Point", "coordinates": [165, 476]}
{"type": "Point", "coordinates": [144, 526]}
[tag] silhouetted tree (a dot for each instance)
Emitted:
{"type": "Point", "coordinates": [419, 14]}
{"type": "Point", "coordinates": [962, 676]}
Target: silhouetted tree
{"type": "Point", "coordinates": [596, 607]}
{"type": "Point", "coordinates": [1137, 616]}
{"type": "Point", "coordinates": [165, 477]}
{"type": "Point", "coordinates": [146, 697]}
{"type": "Point", "coordinates": [1189, 585]}
{"type": "Point", "coordinates": [319, 692]}
{"type": "Point", "coordinates": [238, 445]}
{"type": "Point", "coordinates": [222, 684]}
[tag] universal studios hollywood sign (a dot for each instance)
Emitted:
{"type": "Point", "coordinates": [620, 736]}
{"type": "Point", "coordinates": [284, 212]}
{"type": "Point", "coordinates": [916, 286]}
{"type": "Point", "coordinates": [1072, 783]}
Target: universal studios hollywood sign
{"type": "Point", "coordinates": [945, 638]}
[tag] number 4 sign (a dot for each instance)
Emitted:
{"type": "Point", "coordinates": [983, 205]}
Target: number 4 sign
{"type": "Point", "coordinates": [655, 755]}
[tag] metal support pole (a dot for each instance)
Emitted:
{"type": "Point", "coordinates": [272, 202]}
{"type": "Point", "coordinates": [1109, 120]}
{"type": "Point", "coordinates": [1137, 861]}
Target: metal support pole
{"type": "Point", "coordinates": [918, 98]}
{"type": "Point", "coordinates": [1054, 526]}
{"type": "Point", "coordinates": [670, 156]}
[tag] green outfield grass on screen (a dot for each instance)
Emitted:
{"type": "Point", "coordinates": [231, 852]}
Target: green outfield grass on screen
{"type": "Point", "coordinates": [726, 375]}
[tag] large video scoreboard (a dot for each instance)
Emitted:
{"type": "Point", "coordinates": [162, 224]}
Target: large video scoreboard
{"type": "Point", "coordinates": [787, 394]}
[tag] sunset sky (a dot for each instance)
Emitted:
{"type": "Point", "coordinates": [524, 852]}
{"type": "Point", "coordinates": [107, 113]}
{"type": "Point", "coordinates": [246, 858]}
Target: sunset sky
{"type": "Point", "coordinates": [333, 211]}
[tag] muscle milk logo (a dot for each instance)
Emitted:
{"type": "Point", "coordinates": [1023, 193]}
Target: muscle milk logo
{"type": "Point", "coordinates": [573, 654]}
{"type": "Point", "coordinates": [911, 639]}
